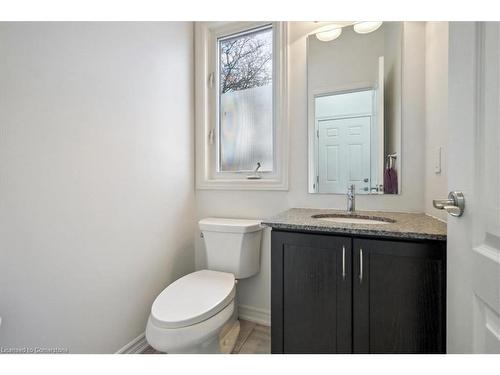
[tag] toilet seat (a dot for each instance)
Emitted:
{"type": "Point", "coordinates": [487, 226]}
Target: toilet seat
{"type": "Point", "coordinates": [193, 299]}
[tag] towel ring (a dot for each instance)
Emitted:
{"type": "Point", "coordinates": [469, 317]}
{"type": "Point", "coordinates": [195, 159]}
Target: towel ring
{"type": "Point", "coordinates": [390, 159]}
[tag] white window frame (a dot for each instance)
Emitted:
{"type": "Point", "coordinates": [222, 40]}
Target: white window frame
{"type": "Point", "coordinates": [206, 102]}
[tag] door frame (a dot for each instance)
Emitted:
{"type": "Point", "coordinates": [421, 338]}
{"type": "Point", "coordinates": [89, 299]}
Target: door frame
{"type": "Point", "coordinates": [318, 150]}
{"type": "Point", "coordinates": [312, 169]}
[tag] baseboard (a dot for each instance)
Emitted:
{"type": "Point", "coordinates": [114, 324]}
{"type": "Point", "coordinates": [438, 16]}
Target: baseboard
{"type": "Point", "coordinates": [255, 314]}
{"type": "Point", "coordinates": [136, 346]}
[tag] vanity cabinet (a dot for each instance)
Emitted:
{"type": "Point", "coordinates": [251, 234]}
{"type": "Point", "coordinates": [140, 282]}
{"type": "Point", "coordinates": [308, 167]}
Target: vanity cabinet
{"type": "Point", "coordinates": [345, 294]}
{"type": "Point", "coordinates": [311, 294]}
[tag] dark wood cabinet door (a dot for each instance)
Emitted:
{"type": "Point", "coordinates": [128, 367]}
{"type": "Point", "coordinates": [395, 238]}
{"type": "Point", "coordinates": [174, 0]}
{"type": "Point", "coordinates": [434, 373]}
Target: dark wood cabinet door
{"type": "Point", "coordinates": [399, 296]}
{"type": "Point", "coordinates": [311, 293]}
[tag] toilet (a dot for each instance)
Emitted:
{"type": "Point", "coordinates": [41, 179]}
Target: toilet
{"type": "Point", "coordinates": [198, 313]}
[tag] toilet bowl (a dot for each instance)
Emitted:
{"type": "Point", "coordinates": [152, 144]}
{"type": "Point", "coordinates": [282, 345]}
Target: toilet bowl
{"type": "Point", "coordinates": [197, 313]}
{"type": "Point", "coordinates": [188, 315]}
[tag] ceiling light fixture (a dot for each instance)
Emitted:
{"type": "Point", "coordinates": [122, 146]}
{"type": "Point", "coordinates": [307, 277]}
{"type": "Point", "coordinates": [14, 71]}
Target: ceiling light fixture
{"type": "Point", "coordinates": [329, 33]}
{"type": "Point", "coordinates": [366, 27]}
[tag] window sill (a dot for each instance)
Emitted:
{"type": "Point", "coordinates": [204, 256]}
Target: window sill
{"type": "Point", "coordinates": [243, 184]}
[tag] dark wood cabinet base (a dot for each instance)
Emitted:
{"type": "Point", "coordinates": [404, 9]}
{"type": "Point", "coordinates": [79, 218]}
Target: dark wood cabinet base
{"type": "Point", "coordinates": [337, 294]}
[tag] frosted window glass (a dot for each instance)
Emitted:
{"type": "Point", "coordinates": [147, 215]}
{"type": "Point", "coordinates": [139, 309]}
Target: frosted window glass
{"type": "Point", "coordinates": [246, 101]}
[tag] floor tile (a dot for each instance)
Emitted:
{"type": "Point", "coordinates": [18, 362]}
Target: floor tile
{"type": "Point", "coordinates": [253, 339]}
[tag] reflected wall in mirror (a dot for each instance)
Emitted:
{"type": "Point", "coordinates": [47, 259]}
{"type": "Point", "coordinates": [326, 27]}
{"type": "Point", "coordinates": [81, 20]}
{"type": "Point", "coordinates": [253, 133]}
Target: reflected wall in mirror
{"type": "Point", "coordinates": [354, 108]}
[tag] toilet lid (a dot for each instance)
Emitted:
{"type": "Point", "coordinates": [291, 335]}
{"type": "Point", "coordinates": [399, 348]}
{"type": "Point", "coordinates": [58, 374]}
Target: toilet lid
{"type": "Point", "coordinates": [214, 224]}
{"type": "Point", "coordinates": [193, 299]}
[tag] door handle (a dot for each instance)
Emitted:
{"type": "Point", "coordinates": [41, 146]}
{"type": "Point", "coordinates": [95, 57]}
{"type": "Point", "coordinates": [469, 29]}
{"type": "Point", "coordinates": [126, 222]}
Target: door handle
{"type": "Point", "coordinates": [454, 205]}
{"type": "Point", "coordinates": [360, 266]}
{"type": "Point", "coordinates": [343, 262]}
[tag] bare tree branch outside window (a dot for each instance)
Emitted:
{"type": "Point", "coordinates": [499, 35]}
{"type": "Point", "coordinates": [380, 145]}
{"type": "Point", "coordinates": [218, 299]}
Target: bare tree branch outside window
{"type": "Point", "coordinates": [246, 101]}
{"type": "Point", "coordinates": [246, 61]}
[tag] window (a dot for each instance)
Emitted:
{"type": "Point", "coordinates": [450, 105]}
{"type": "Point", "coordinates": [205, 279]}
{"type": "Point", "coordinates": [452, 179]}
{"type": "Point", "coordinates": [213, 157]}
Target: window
{"type": "Point", "coordinates": [240, 106]}
{"type": "Point", "coordinates": [246, 101]}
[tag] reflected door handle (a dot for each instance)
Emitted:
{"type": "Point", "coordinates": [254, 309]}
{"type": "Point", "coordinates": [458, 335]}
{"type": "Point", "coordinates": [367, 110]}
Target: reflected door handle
{"type": "Point", "coordinates": [454, 205]}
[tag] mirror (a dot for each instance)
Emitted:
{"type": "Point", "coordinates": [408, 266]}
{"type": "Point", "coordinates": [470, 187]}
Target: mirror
{"type": "Point", "coordinates": [354, 107]}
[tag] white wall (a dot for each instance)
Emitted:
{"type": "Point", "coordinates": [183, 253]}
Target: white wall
{"type": "Point", "coordinates": [436, 114]}
{"type": "Point", "coordinates": [96, 178]}
{"type": "Point", "coordinates": [255, 292]}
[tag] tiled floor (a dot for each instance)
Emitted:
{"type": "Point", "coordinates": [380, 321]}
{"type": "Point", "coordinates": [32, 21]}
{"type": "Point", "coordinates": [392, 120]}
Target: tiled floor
{"type": "Point", "coordinates": [253, 339]}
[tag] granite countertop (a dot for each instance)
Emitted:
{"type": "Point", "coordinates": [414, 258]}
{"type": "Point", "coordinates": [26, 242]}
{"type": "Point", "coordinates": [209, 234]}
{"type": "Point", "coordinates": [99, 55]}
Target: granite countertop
{"type": "Point", "coordinates": [405, 225]}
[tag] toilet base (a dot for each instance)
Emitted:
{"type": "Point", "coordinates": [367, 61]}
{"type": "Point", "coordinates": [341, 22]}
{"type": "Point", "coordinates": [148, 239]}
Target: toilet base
{"type": "Point", "coordinates": [203, 338]}
{"type": "Point", "coordinates": [224, 343]}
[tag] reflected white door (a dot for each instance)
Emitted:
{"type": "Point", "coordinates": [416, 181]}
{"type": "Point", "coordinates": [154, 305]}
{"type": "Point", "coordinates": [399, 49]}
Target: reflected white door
{"type": "Point", "coordinates": [344, 154]}
{"type": "Point", "coordinates": [473, 294]}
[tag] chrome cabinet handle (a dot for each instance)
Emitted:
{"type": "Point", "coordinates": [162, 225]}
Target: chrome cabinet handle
{"type": "Point", "coordinates": [360, 266]}
{"type": "Point", "coordinates": [343, 262]}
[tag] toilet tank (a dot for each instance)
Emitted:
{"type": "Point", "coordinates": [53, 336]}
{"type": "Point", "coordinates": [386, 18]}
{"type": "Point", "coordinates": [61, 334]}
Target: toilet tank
{"type": "Point", "coordinates": [232, 245]}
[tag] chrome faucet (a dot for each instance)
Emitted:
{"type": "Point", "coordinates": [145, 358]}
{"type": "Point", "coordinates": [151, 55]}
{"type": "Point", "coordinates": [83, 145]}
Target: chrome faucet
{"type": "Point", "coordinates": [351, 198]}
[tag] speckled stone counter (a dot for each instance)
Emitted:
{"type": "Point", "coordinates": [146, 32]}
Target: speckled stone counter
{"type": "Point", "coordinates": [405, 225]}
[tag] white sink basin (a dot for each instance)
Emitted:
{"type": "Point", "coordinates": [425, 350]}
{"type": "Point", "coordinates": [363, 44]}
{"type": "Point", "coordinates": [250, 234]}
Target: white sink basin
{"type": "Point", "coordinates": [353, 219]}
{"type": "Point", "coordinates": [347, 220]}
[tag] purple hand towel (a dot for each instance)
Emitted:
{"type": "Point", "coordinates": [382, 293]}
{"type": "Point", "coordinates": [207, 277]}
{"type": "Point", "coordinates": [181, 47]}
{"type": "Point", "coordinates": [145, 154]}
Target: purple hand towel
{"type": "Point", "coordinates": [390, 181]}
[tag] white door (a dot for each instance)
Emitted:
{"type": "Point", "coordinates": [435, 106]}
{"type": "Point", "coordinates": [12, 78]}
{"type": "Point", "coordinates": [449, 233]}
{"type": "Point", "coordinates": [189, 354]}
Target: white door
{"type": "Point", "coordinates": [473, 308]}
{"type": "Point", "coordinates": [344, 154]}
